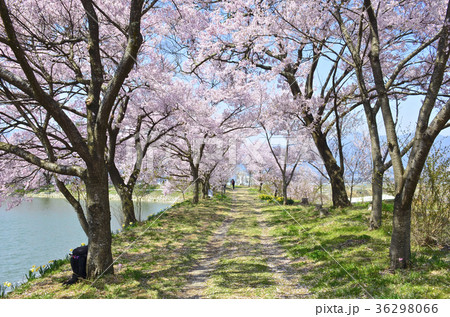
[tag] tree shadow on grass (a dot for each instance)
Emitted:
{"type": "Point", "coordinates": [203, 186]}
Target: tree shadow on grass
{"type": "Point", "coordinates": [235, 275]}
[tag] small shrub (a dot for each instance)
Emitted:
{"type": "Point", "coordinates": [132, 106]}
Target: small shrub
{"type": "Point", "coordinates": [278, 199]}
{"type": "Point", "coordinates": [265, 197]}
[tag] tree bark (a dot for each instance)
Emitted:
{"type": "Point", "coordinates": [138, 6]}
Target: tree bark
{"type": "Point", "coordinates": [285, 196]}
{"type": "Point", "coordinates": [377, 199]}
{"type": "Point", "coordinates": [126, 200]}
{"type": "Point", "coordinates": [99, 260]}
{"type": "Point", "coordinates": [400, 249]}
{"type": "Point", "coordinates": [206, 187]}
{"type": "Point", "coordinates": [406, 180]}
{"type": "Point", "coordinates": [377, 167]}
{"type": "Point", "coordinates": [125, 193]}
{"type": "Point", "coordinates": [339, 194]}
{"type": "Point", "coordinates": [196, 181]}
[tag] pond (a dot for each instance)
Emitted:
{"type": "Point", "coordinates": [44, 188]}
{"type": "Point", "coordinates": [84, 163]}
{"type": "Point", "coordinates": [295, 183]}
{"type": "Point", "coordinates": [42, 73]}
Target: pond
{"type": "Point", "coordinates": [45, 229]}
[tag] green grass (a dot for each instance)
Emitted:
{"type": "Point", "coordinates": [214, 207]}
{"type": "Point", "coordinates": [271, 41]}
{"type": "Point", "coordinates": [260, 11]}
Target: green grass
{"type": "Point", "coordinates": [339, 258]}
{"type": "Point", "coordinates": [242, 272]}
{"type": "Point", "coordinates": [333, 257]}
{"type": "Point", "coordinates": [241, 277]}
{"type": "Point", "coordinates": [152, 258]}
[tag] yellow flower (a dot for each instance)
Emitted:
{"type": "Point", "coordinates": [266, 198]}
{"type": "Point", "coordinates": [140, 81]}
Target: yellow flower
{"type": "Point", "coordinates": [83, 244]}
{"type": "Point", "coordinates": [131, 223]}
{"type": "Point", "coordinates": [123, 225]}
{"type": "Point", "coordinates": [70, 250]}
{"type": "Point", "coordinates": [51, 261]}
{"type": "Point", "coordinates": [7, 284]}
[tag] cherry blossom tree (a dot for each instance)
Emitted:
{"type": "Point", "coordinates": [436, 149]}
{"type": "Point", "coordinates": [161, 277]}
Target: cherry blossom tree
{"type": "Point", "coordinates": [294, 147]}
{"type": "Point", "coordinates": [406, 53]}
{"type": "Point", "coordinates": [132, 133]}
{"type": "Point", "coordinates": [257, 160]}
{"type": "Point", "coordinates": [274, 44]}
{"type": "Point", "coordinates": [63, 65]}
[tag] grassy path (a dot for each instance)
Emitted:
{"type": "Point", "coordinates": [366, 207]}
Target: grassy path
{"type": "Point", "coordinates": [198, 276]}
{"type": "Point", "coordinates": [242, 260]}
{"type": "Point", "coordinates": [239, 246]}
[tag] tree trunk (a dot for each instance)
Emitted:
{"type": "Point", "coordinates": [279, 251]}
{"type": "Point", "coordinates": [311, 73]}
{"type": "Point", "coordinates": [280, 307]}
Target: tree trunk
{"type": "Point", "coordinates": [99, 258]}
{"type": "Point", "coordinates": [204, 192]}
{"type": "Point", "coordinates": [400, 249]}
{"type": "Point", "coordinates": [125, 193]}
{"type": "Point", "coordinates": [338, 192]}
{"type": "Point", "coordinates": [377, 199]}
{"type": "Point", "coordinates": [206, 187]}
{"type": "Point", "coordinates": [285, 197]}
{"type": "Point", "coordinates": [351, 186]}
{"type": "Point", "coordinates": [196, 181]}
{"type": "Point", "coordinates": [126, 199]}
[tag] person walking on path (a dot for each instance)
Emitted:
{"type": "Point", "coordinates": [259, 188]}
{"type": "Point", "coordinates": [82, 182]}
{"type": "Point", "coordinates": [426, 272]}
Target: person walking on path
{"type": "Point", "coordinates": [232, 183]}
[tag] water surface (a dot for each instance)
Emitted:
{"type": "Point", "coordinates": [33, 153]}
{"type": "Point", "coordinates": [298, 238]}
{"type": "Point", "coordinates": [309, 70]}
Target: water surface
{"type": "Point", "coordinates": [45, 229]}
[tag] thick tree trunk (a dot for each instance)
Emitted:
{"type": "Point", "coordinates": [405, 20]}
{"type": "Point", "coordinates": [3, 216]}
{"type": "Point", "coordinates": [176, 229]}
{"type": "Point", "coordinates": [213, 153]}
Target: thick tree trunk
{"type": "Point", "coordinates": [99, 258]}
{"type": "Point", "coordinates": [338, 192]}
{"type": "Point", "coordinates": [400, 249]}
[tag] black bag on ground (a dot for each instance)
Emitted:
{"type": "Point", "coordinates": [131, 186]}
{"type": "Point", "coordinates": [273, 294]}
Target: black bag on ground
{"type": "Point", "coordinates": [78, 264]}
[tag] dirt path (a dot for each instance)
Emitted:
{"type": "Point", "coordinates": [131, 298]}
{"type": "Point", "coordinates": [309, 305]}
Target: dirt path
{"type": "Point", "coordinates": [243, 260]}
{"type": "Point", "coordinates": [207, 263]}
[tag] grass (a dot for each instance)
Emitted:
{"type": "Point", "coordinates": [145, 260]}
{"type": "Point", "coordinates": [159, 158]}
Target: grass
{"type": "Point", "coordinates": [152, 258]}
{"type": "Point", "coordinates": [318, 244]}
{"type": "Point", "coordinates": [242, 272]}
{"type": "Point", "coordinates": [334, 256]}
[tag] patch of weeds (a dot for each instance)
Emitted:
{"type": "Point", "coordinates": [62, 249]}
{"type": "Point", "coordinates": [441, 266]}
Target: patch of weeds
{"type": "Point", "coordinates": [221, 197]}
{"type": "Point", "coordinates": [389, 207]}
